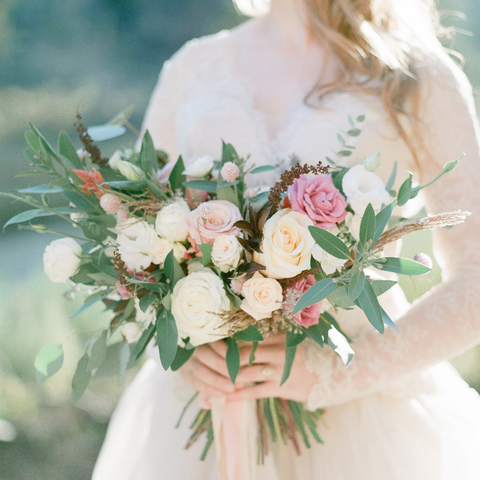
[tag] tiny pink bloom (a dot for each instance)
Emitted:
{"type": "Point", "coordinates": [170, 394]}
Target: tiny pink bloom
{"type": "Point", "coordinates": [236, 284]}
{"type": "Point", "coordinates": [230, 172]}
{"type": "Point", "coordinates": [319, 199]}
{"type": "Point", "coordinates": [308, 316]}
{"type": "Point", "coordinates": [110, 202]}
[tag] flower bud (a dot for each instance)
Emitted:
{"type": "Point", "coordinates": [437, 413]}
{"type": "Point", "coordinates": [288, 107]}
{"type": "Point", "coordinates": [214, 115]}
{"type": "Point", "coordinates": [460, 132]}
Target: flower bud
{"type": "Point", "coordinates": [372, 162]}
{"type": "Point", "coordinates": [424, 259]}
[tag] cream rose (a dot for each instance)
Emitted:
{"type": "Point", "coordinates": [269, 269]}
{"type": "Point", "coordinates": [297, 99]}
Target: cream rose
{"type": "Point", "coordinates": [262, 296]}
{"type": "Point", "coordinates": [287, 244]}
{"type": "Point", "coordinates": [62, 259]}
{"type": "Point", "coordinates": [226, 252]}
{"type": "Point", "coordinates": [363, 187]}
{"type": "Point", "coordinates": [171, 221]}
{"type": "Point", "coordinates": [196, 299]}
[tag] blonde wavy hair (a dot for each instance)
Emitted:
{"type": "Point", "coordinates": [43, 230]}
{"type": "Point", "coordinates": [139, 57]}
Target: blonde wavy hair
{"type": "Point", "coordinates": [371, 41]}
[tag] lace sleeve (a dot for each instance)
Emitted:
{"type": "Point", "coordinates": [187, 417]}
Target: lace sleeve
{"type": "Point", "coordinates": [446, 321]}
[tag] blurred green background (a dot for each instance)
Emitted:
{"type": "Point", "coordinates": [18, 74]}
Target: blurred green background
{"type": "Point", "coordinates": [95, 57]}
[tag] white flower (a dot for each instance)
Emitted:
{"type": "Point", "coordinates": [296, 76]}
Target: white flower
{"type": "Point", "coordinates": [363, 187]}
{"type": "Point", "coordinates": [61, 259]}
{"type": "Point", "coordinates": [114, 159]}
{"type": "Point", "coordinates": [287, 244]}
{"type": "Point", "coordinates": [131, 332]}
{"type": "Point", "coordinates": [171, 221]}
{"type": "Point", "coordinates": [262, 296]}
{"type": "Point", "coordinates": [329, 263]}
{"type": "Point", "coordinates": [353, 223]}
{"type": "Point", "coordinates": [199, 167]}
{"type": "Point", "coordinates": [372, 162]}
{"type": "Point", "coordinates": [226, 252]}
{"type": "Point", "coordinates": [127, 169]}
{"type": "Point", "coordinates": [196, 299]}
{"type": "Point", "coordinates": [145, 318]}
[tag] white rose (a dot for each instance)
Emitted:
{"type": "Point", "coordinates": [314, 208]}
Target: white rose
{"type": "Point", "coordinates": [363, 187]}
{"type": "Point", "coordinates": [226, 252]}
{"type": "Point", "coordinates": [353, 223]}
{"type": "Point", "coordinates": [131, 332]}
{"type": "Point", "coordinates": [145, 318]}
{"type": "Point", "coordinates": [262, 296]}
{"type": "Point", "coordinates": [171, 221]}
{"type": "Point", "coordinates": [196, 299]}
{"type": "Point", "coordinates": [329, 263]}
{"type": "Point", "coordinates": [199, 167]}
{"type": "Point", "coordinates": [287, 244]}
{"type": "Point", "coordinates": [132, 227]}
{"type": "Point", "coordinates": [61, 259]}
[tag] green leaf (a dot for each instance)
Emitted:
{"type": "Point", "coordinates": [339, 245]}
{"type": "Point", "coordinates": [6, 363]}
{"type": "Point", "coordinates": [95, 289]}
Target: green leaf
{"type": "Point", "coordinates": [391, 179]}
{"type": "Point", "coordinates": [250, 334]}
{"type": "Point", "coordinates": [122, 117]}
{"type": "Point", "coordinates": [315, 294]}
{"type": "Point", "coordinates": [381, 286]}
{"type": "Point", "coordinates": [124, 357]}
{"type": "Point", "coordinates": [251, 358]}
{"type": "Point", "coordinates": [88, 304]}
{"type": "Point", "coordinates": [42, 140]}
{"type": "Point", "coordinates": [263, 169]}
{"type": "Point", "coordinates": [181, 357]}
{"type": "Point", "coordinates": [294, 339]}
{"type": "Point", "coordinates": [167, 337]}
{"type": "Point", "coordinates": [316, 334]}
{"type": "Point", "coordinates": [340, 346]}
{"type": "Point", "coordinates": [81, 378]}
{"type": "Point", "coordinates": [387, 320]}
{"type": "Point", "coordinates": [126, 185]}
{"type": "Point", "coordinates": [203, 185]}
{"type": "Point", "coordinates": [148, 155]}
{"type": "Point", "coordinates": [48, 361]}
{"type": "Point", "coordinates": [402, 266]}
{"type": "Point", "coordinates": [287, 366]}
{"type": "Point", "coordinates": [361, 118]}
{"type": "Point", "coordinates": [356, 285]}
{"type": "Point", "coordinates": [206, 249]}
{"type": "Point", "coordinates": [42, 189]}
{"type": "Point", "coordinates": [381, 220]}
{"type": "Point", "coordinates": [143, 341]}
{"type": "Point", "coordinates": [98, 351]}
{"type": "Point", "coordinates": [339, 297]}
{"type": "Point", "coordinates": [177, 178]}
{"type": "Point", "coordinates": [229, 153]}
{"type": "Point", "coordinates": [173, 270]}
{"type": "Point", "coordinates": [404, 193]}
{"type": "Point", "coordinates": [67, 149]}
{"type": "Point", "coordinates": [367, 228]}
{"type": "Point", "coordinates": [233, 358]}
{"type": "Point", "coordinates": [228, 194]}
{"type": "Point", "coordinates": [146, 301]}
{"type": "Point", "coordinates": [93, 231]}
{"type": "Point", "coordinates": [32, 140]}
{"type": "Point", "coordinates": [330, 243]}
{"type": "Point", "coordinates": [100, 133]}
{"type": "Point", "coordinates": [368, 302]}
{"type": "Point", "coordinates": [24, 217]}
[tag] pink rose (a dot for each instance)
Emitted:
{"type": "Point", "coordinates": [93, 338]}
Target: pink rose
{"type": "Point", "coordinates": [308, 316]}
{"type": "Point", "coordinates": [319, 199]}
{"type": "Point", "coordinates": [211, 219]}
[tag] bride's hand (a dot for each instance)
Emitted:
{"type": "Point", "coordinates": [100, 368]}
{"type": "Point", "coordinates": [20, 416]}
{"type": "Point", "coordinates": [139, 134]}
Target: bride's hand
{"type": "Point", "coordinates": [262, 379]}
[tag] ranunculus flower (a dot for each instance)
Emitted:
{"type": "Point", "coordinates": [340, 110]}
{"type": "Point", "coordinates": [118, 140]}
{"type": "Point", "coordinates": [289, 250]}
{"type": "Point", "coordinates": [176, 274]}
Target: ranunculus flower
{"type": "Point", "coordinates": [262, 296]}
{"type": "Point", "coordinates": [308, 316]}
{"type": "Point", "coordinates": [363, 187]}
{"type": "Point", "coordinates": [171, 221]}
{"type": "Point", "coordinates": [319, 199]}
{"type": "Point", "coordinates": [61, 259]}
{"type": "Point", "coordinates": [287, 244]}
{"type": "Point", "coordinates": [198, 167]}
{"type": "Point", "coordinates": [211, 219]}
{"type": "Point", "coordinates": [328, 262]}
{"type": "Point", "coordinates": [196, 299]}
{"type": "Point", "coordinates": [226, 252]}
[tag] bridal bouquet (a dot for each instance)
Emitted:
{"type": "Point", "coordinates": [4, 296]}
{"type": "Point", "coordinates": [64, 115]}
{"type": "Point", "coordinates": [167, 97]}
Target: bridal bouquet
{"type": "Point", "coordinates": [182, 253]}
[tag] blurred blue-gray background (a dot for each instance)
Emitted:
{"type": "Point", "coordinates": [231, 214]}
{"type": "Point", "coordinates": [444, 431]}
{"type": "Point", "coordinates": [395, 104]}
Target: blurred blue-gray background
{"type": "Point", "coordinates": [94, 57]}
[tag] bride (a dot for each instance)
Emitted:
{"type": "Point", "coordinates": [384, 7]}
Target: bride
{"type": "Point", "coordinates": [285, 83]}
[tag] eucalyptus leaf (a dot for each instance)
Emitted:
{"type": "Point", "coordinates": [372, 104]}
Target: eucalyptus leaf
{"type": "Point", "coordinates": [229, 154]}
{"type": "Point", "coordinates": [315, 294]}
{"type": "Point", "coordinates": [143, 341]}
{"type": "Point", "coordinates": [100, 133]}
{"type": "Point", "coordinates": [42, 189]}
{"type": "Point", "coordinates": [203, 185]}
{"type": "Point", "coordinates": [287, 366]}
{"type": "Point", "coordinates": [294, 339]}
{"type": "Point", "coordinates": [381, 220]}
{"type": "Point", "coordinates": [381, 286]}
{"type": "Point", "coordinates": [250, 334]}
{"type": "Point", "coordinates": [367, 228]}
{"type": "Point", "coordinates": [172, 268]}
{"type": "Point", "coordinates": [340, 298]}
{"type": "Point", "coordinates": [148, 155]}
{"type": "Point", "coordinates": [330, 243]}
{"type": "Point", "coordinates": [146, 301]}
{"type": "Point", "coordinates": [356, 285]}
{"type": "Point", "coordinates": [126, 185]}
{"type": "Point", "coordinates": [368, 302]}
{"type": "Point", "coordinates": [387, 320]}
{"type": "Point", "coordinates": [48, 361]}
{"type": "Point", "coordinates": [167, 337]}
{"type": "Point", "coordinates": [402, 266]}
{"type": "Point", "coordinates": [391, 179]}
{"type": "Point", "coordinates": [316, 334]}
{"type": "Point", "coordinates": [263, 169]}
{"type": "Point", "coordinates": [233, 358]}
{"type": "Point", "coordinates": [182, 356]}
{"type": "Point", "coordinates": [251, 357]}
{"type": "Point", "coordinates": [98, 351]}
{"type": "Point", "coordinates": [67, 149]}
{"type": "Point", "coordinates": [89, 303]}
{"type": "Point", "coordinates": [124, 357]}
{"type": "Point", "coordinates": [405, 190]}
{"type": "Point", "coordinates": [177, 178]}
{"type": "Point", "coordinates": [206, 249]}
{"type": "Point", "coordinates": [81, 378]}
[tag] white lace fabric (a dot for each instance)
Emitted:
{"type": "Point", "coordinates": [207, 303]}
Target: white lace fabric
{"type": "Point", "coordinates": [200, 100]}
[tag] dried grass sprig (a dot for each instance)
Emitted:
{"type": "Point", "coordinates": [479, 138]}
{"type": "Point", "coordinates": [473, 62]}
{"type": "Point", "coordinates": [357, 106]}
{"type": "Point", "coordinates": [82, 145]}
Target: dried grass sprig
{"type": "Point", "coordinates": [446, 219]}
{"type": "Point", "coordinates": [149, 206]}
{"type": "Point", "coordinates": [87, 142]}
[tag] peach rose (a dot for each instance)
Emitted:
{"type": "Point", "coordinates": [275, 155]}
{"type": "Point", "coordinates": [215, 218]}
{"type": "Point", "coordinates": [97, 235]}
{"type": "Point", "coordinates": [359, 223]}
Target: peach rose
{"type": "Point", "coordinates": [287, 244]}
{"type": "Point", "coordinates": [262, 296]}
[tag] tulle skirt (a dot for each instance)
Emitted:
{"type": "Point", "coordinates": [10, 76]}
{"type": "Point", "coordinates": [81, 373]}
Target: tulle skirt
{"type": "Point", "coordinates": [423, 427]}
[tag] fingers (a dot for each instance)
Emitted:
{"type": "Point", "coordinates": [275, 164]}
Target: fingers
{"type": "Point", "coordinates": [256, 373]}
{"type": "Point", "coordinates": [261, 390]}
{"type": "Point", "coordinates": [270, 353]}
{"type": "Point", "coordinates": [209, 356]}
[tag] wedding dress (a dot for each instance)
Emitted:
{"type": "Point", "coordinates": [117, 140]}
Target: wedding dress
{"type": "Point", "coordinates": [399, 411]}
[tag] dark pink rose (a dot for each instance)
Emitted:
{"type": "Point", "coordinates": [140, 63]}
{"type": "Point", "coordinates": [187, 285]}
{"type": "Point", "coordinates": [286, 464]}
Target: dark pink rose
{"type": "Point", "coordinates": [308, 316]}
{"type": "Point", "coordinates": [319, 199]}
